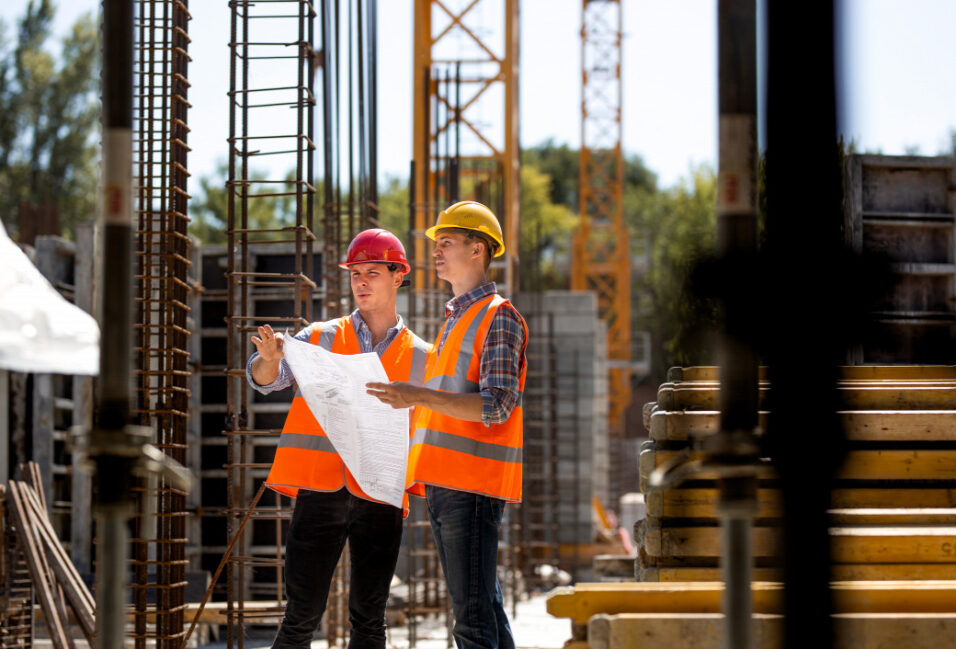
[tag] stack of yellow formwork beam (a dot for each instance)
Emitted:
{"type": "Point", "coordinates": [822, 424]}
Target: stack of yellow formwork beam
{"type": "Point", "coordinates": [686, 615]}
{"type": "Point", "coordinates": [893, 510]}
{"type": "Point", "coordinates": [893, 523]}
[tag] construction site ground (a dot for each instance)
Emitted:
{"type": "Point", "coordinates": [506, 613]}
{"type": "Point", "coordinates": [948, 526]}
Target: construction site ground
{"type": "Point", "coordinates": [533, 628]}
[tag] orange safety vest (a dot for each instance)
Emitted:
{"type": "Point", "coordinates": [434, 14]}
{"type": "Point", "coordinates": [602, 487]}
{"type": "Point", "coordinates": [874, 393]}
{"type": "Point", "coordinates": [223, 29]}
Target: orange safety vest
{"type": "Point", "coordinates": [305, 458]}
{"type": "Point", "coordinates": [466, 455]}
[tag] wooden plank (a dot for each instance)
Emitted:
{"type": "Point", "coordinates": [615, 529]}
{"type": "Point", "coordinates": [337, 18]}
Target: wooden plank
{"type": "Point", "coordinates": [849, 544]}
{"type": "Point", "coordinates": [872, 516]}
{"type": "Point", "coordinates": [849, 372]}
{"type": "Point", "coordinates": [853, 397]}
{"type": "Point", "coordinates": [39, 573]}
{"type": "Point", "coordinates": [932, 464]}
{"type": "Point", "coordinates": [676, 631]}
{"type": "Point", "coordinates": [583, 600]}
{"type": "Point", "coordinates": [702, 502]}
{"type": "Point", "coordinates": [900, 465]}
{"type": "Point", "coordinates": [686, 542]}
{"type": "Point", "coordinates": [705, 630]}
{"type": "Point", "coordinates": [840, 572]}
{"type": "Point", "coordinates": [699, 573]}
{"type": "Point", "coordinates": [80, 598]}
{"type": "Point", "coordinates": [893, 545]}
{"type": "Point", "coordinates": [893, 571]}
{"type": "Point", "coordinates": [864, 426]}
{"type": "Point", "coordinates": [892, 516]}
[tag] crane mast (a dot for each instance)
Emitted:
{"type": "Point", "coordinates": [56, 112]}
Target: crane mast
{"type": "Point", "coordinates": [601, 246]}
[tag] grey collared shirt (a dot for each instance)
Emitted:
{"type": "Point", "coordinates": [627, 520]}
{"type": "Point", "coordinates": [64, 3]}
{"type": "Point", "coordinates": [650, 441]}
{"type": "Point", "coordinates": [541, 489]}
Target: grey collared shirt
{"type": "Point", "coordinates": [364, 334]}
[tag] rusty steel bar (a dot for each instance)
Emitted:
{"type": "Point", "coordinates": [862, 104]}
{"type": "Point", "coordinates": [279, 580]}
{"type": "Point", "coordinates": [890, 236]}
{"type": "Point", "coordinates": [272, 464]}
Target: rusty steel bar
{"type": "Point", "coordinates": [160, 150]}
{"type": "Point", "coordinates": [272, 57]}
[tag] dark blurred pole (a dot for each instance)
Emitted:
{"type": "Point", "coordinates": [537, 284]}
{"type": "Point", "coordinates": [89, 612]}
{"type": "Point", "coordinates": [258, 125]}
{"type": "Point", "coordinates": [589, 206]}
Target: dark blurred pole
{"type": "Point", "coordinates": [734, 446]}
{"type": "Point", "coordinates": [111, 447]}
{"type": "Point", "coordinates": [806, 309]}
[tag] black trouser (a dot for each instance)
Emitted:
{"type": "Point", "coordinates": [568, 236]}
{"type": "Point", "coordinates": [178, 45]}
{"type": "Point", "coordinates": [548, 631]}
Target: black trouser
{"type": "Point", "coordinates": [321, 523]}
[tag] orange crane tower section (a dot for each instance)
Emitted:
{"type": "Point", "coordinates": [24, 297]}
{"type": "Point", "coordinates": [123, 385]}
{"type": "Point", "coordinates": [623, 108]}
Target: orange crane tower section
{"type": "Point", "coordinates": [601, 260]}
{"type": "Point", "coordinates": [466, 122]}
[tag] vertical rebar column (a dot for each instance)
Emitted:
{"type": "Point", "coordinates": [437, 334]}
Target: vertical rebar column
{"type": "Point", "coordinates": [162, 292]}
{"type": "Point", "coordinates": [270, 260]}
{"type": "Point", "coordinates": [351, 205]}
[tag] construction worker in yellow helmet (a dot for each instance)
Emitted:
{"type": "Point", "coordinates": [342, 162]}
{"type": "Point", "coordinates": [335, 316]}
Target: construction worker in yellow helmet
{"type": "Point", "coordinates": [465, 455]}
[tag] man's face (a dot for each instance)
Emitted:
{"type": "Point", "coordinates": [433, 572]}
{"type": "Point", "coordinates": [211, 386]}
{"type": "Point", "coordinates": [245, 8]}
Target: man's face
{"type": "Point", "coordinates": [453, 252]}
{"type": "Point", "coordinates": [373, 284]}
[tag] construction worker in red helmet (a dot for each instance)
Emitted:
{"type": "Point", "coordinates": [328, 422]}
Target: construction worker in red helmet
{"type": "Point", "coordinates": [466, 448]}
{"type": "Point", "coordinates": [330, 507]}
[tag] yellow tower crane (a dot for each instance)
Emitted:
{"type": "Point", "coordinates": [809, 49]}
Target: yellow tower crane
{"type": "Point", "coordinates": [466, 132]}
{"type": "Point", "coordinates": [601, 260]}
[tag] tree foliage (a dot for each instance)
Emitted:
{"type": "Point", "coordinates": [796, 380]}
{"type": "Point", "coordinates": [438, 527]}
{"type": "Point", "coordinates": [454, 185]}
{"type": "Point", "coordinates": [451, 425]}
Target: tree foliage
{"type": "Point", "coordinates": [546, 228]}
{"type": "Point", "coordinates": [48, 148]}
{"type": "Point", "coordinates": [561, 164]}
{"type": "Point", "coordinates": [393, 208]}
{"type": "Point", "coordinates": [209, 211]}
{"type": "Point", "coordinates": [673, 229]}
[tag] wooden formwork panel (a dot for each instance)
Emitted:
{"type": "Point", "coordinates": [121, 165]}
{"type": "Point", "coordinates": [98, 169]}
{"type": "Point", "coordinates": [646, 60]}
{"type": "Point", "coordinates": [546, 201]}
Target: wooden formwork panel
{"type": "Point", "coordinates": [705, 631]}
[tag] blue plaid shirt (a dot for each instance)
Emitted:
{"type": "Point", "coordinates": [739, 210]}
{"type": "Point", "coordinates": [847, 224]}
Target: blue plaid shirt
{"type": "Point", "coordinates": [285, 378]}
{"type": "Point", "coordinates": [502, 354]}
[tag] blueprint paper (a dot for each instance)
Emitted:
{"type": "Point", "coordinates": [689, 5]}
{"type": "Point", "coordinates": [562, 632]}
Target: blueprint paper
{"type": "Point", "coordinates": [371, 437]}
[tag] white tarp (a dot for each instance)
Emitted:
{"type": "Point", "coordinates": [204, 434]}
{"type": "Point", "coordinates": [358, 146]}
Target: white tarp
{"type": "Point", "coordinates": [371, 437]}
{"type": "Point", "coordinates": [39, 330]}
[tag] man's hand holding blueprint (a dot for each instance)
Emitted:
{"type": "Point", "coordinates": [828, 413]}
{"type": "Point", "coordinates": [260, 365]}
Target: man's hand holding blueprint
{"type": "Point", "coordinates": [370, 436]}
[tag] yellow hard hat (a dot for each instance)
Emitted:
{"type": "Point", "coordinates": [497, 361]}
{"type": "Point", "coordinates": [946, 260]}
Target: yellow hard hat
{"type": "Point", "coordinates": [470, 215]}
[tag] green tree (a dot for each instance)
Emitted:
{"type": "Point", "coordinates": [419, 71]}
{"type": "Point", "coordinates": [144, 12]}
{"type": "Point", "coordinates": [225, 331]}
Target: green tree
{"type": "Point", "coordinates": [546, 228]}
{"type": "Point", "coordinates": [209, 211]}
{"type": "Point", "coordinates": [48, 149]}
{"type": "Point", "coordinates": [393, 208]}
{"type": "Point", "coordinates": [671, 230]}
{"type": "Point", "coordinates": [561, 163]}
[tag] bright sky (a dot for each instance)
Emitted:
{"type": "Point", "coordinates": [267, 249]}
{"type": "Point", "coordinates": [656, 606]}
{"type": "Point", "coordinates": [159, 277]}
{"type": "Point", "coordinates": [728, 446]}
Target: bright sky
{"type": "Point", "coordinates": [899, 92]}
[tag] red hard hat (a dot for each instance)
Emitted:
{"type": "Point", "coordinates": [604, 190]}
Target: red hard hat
{"type": "Point", "coordinates": [376, 246]}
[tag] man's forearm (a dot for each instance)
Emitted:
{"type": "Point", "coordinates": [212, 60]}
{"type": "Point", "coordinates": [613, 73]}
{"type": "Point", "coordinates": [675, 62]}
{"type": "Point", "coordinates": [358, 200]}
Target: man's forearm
{"type": "Point", "coordinates": [460, 406]}
{"type": "Point", "coordinates": [265, 372]}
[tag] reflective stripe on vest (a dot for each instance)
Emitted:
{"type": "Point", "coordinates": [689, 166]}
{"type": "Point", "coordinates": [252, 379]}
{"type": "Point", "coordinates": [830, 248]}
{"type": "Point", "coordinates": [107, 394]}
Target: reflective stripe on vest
{"type": "Point", "coordinates": [466, 445]}
{"type": "Point", "coordinates": [305, 457]}
{"type": "Point", "coordinates": [466, 455]}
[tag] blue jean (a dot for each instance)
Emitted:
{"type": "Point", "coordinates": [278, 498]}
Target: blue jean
{"type": "Point", "coordinates": [321, 523]}
{"type": "Point", "coordinates": [465, 526]}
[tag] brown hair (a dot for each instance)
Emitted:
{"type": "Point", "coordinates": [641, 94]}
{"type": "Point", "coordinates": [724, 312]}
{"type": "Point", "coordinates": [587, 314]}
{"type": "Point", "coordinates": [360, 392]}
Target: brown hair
{"type": "Point", "coordinates": [474, 235]}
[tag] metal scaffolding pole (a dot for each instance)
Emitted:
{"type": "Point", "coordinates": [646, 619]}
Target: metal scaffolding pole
{"type": "Point", "coordinates": [735, 444]}
{"type": "Point", "coordinates": [112, 447]}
